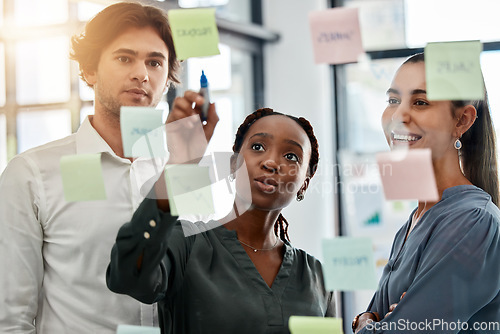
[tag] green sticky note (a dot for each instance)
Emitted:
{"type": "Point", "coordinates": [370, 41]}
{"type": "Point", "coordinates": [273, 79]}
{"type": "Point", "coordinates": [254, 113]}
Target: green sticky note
{"type": "Point", "coordinates": [453, 71]}
{"type": "Point", "coordinates": [82, 177]}
{"type": "Point", "coordinates": [314, 325]}
{"type": "Point", "coordinates": [129, 329]}
{"type": "Point", "coordinates": [194, 32]}
{"type": "Point", "coordinates": [142, 132]}
{"type": "Point", "coordinates": [188, 189]}
{"type": "Point", "coordinates": [349, 264]}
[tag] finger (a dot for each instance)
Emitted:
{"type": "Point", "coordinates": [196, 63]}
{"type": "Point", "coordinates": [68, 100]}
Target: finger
{"type": "Point", "coordinates": [183, 106]}
{"type": "Point", "coordinates": [392, 307]}
{"type": "Point", "coordinates": [404, 293]}
{"type": "Point", "coordinates": [388, 313]}
{"type": "Point", "coordinates": [212, 120]}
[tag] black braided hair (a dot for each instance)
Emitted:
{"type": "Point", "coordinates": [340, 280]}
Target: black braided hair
{"type": "Point", "coordinates": [281, 225]}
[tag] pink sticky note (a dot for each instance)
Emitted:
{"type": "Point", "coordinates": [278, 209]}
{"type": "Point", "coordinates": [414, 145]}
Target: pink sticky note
{"type": "Point", "coordinates": [335, 35]}
{"type": "Point", "coordinates": [408, 174]}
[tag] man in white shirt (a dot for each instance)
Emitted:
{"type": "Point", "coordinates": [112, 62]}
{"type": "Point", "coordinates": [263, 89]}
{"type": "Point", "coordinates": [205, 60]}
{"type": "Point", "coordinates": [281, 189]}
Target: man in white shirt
{"type": "Point", "coordinates": [54, 253]}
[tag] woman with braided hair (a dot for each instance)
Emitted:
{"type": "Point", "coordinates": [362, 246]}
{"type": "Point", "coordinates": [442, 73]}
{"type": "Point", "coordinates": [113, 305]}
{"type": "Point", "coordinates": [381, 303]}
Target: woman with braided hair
{"type": "Point", "coordinates": [242, 276]}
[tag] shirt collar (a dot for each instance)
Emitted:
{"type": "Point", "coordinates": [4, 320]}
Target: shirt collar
{"type": "Point", "coordinates": [89, 141]}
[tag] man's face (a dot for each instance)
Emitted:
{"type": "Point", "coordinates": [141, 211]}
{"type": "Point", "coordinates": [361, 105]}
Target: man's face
{"type": "Point", "coordinates": [132, 71]}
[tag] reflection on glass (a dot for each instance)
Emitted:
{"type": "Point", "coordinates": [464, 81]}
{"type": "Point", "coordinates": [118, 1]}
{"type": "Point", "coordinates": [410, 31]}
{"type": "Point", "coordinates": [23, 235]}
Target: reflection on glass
{"type": "Point", "coordinates": [365, 87]}
{"type": "Point", "coordinates": [231, 89]}
{"type": "Point", "coordinates": [3, 142]}
{"type": "Point", "coordinates": [42, 71]}
{"type": "Point", "coordinates": [382, 23]}
{"type": "Point", "coordinates": [2, 75]}
{"type": "Point", "coordinates": [451, 20]}
{"type": "Point", "coordinates": [35, 128]}
{"type": "Point", "coordinates": [36, 12]}
{"type": "Point", "coordinates": [217, 69]}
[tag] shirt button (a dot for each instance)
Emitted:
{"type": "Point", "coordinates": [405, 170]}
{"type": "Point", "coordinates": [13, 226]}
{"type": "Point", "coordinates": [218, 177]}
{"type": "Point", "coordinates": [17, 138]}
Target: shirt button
{"type": "Point", "coordinates": [146, 235]}
{"type": "Point", "coordinates": [152, 223]}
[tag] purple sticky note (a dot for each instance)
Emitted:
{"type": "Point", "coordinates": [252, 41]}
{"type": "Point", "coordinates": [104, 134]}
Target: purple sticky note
{"type": "Point", "coordinates": [336, 36]}
{"type": "Point", "coordinates": [408, 174]}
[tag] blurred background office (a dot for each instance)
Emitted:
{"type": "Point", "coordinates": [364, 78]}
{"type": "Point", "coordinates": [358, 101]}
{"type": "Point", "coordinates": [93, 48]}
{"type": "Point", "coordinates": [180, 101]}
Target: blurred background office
{"type": "Point", "coordinates": [267, 60]}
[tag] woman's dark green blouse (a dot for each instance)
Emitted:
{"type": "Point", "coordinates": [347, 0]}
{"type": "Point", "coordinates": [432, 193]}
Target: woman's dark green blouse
{"type": "Point", "coordinates": [206, 283]}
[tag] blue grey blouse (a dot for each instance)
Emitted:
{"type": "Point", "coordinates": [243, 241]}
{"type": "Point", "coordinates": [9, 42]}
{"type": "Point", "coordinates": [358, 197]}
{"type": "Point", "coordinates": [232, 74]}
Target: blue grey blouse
{"type": "Point", "coordinates": [449, 268]}
{"type": "Point", "coordinates": [206, 283]}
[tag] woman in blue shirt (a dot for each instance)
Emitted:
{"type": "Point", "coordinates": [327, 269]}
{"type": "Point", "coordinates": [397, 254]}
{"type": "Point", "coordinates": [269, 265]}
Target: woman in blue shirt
{"type": "Point", "coordinates": [443, 274]}
{"type": "Point", "coordinates": [240, 277]}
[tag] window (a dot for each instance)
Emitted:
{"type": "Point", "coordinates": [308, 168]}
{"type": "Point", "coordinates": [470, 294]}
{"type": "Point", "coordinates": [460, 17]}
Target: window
{"type": "Point", "coordinates": [391, 31]}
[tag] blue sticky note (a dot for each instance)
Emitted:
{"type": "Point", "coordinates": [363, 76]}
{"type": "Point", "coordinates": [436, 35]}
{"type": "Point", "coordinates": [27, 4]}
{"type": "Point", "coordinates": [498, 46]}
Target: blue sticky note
{"type": "Point", "coordinates": [143, 133]}
{"type": "Point", "coordinates": [129, 329]}
{"type": "Point", "coordinates": [314, 325]}
{"type": "Point", "coordinates": [189, 191]}
{"type": "Point", "coordinates": [453, 71]}
{"type": "Point", "coordinates": [82, 177]}
{"type": "Point", "coordinates": [349, 264]}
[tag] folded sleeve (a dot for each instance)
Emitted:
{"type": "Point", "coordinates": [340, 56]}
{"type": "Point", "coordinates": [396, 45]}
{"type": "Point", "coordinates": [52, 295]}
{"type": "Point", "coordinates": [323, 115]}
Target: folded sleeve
{"type": "Point", "coordinates": [457, 282]}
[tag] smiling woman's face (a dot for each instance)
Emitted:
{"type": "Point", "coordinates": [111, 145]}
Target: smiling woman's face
{"type": "Point", "coordinates": [411, 120]}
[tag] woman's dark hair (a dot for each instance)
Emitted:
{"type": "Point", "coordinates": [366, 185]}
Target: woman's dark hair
{"type": "Point", "coordinates": [113, 21]}
{"type": "Point", "coordinates": [478, 153]}
{"type": "Point", "coordinates": [281, 224]}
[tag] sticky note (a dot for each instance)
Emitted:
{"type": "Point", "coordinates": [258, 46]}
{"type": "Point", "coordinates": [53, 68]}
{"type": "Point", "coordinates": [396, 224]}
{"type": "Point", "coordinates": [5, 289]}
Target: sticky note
{"type": "Point", "coordinates": [407, 174]}
{"type": "Point", "coordinates": [194, 32]}
{"type": "Point", "coordinates": [314, 325]}
{"type": "Point", "coordinates": [188, 189]}
{"type": "Point", "coordinates": [142, 132]}
{"type": "Point", "coordinates": [349, 264]}
{"type": "Point", "coordinates": [453, 71]}
{"type": "Point", "coordinates": [128, 329]}
{"type": "Point", "coordinates": [82, 177]}
{"type": "Point", "coordinates": [335, 35]}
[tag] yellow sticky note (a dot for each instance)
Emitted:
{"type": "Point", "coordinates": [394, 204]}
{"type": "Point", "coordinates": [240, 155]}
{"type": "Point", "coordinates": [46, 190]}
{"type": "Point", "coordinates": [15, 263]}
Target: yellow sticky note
{"type": "Point", "coordinates": [453, 71]}
{"type": "Point", "coordinates": [349, 264]}
{"type": "Point", "coordinates": [314, 325]}
{"type": "Point", "coordinates": [82, 177]}
{"type": "Point", "coordinates": [188, 189]}
{"type": "Point", "coordinates": [194, 32]}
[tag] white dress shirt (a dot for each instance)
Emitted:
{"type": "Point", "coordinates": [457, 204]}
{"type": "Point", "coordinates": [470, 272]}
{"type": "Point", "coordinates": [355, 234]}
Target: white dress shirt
{"type": "Point", "coordinates": [54, 253]}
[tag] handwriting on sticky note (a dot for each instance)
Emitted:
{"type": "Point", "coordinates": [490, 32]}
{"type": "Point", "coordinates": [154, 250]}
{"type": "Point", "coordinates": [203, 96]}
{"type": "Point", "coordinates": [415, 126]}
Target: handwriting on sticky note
{"type": "Point", "coordinates": [142, 132]}
{"type": "Point", "coordinates": [349, 264]}
{"type": "Point", "coordinates": [82, 177]}
{"type": "Point", "coordinates": [453, 71]}
{"type": "Point", "coordinates": [408, 174]}
{"type": "Point", "coordinates": [129, 329]}
{"type": "Point", "coordinates": [314, 325]}
{"type": "Point", "coordinates": [336, 36]}
{"type": "Point", "coordinates": [189, 191]}
{"type": "Point", "coordinates": [194, 32]}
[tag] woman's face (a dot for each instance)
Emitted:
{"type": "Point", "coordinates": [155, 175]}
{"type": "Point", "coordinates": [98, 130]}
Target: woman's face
{"type": "Point", "coordinates": [412, 121]}
{"type": "Point", "coordinates": [276, 151]}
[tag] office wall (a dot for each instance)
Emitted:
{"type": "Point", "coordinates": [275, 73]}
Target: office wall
{"type": "Point", "coordinates": [297, 86]}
